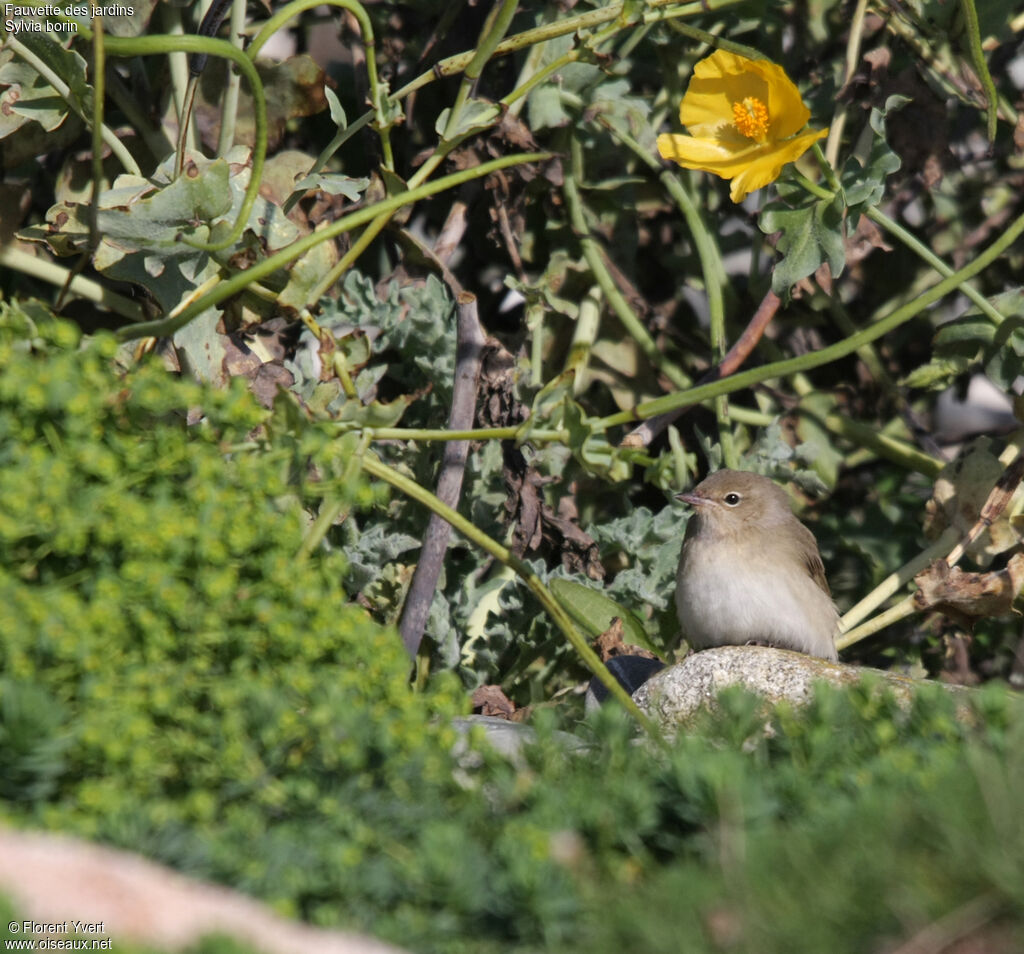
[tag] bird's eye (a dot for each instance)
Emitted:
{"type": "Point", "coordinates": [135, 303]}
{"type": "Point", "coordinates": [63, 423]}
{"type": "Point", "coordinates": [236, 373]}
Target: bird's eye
{"type": "Point", "coordinates": [732, 499]}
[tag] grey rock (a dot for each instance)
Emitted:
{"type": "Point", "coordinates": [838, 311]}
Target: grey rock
{"type": "Point", "coordinates": [505, 737]}
{"type": "Point", "coordinates": [676, 694]}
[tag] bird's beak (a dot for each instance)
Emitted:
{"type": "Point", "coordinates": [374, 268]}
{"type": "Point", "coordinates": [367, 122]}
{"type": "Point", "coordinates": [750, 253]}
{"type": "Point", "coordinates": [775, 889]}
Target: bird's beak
{"type": "Point", "coordinates": [692, 499]}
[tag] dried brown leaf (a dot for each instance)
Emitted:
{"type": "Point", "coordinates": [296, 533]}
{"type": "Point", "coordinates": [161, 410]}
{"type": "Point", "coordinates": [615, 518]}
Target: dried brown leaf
{"type": "Point", "coordinates": [971, 488]}
{"type": "Point", "coordinates": [491, 701]}
{"type": "Point", "coordinates": [610, 643]}
{"type": "Point", "coordinates": [966, 597]}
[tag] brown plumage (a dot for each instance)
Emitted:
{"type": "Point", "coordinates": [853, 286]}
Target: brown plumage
{"type": "Point", "coordinates": [750, 571]}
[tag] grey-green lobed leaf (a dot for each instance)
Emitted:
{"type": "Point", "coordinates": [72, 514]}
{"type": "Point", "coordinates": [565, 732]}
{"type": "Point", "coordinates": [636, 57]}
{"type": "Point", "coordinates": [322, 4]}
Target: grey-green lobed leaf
{"type": "Point", "coordinates": [863, 182]}
{"type": "Point", "coordinates": [811, 234]}
{"type": "Point", "coordinates": [334, 183]}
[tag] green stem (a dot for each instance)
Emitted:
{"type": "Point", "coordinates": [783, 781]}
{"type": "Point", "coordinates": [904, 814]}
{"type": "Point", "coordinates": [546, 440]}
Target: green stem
{"type": "Point", "coordinates": [592, 253]}
{"type": "Point", "coordinates": [493, 32]}
{"type": "Point", "coordinates": [980, 65]}
{"type": "Point", "coordinates": [99, 93]}
{"type": "Point", "coordinates": [377, 468]}
{"type": "Point", "coordinates": [376, 226]}
{"type": "Point", "coordinates": [903, 609]}
{"type": "Point", "coordinates": [588, 324]}
{"type": "Point", "coordinates": [161, 45]}
{"type": "Point", "coordinates": [893, 583]}
{"type": "Point", "coordinates": [267, 266]}
{"type": "Point", "coordinates": [494, 29]}
{"type": "Point", "coordinates": [233, 87]}
{"type": "Point", "coordinates": [712, 269]}
{"type": "Point", "coordinates": [826, 168]}
{"type": "Point", "coordinates": [476, 434]}
{"type": "Point", "coordinates": [717, 42]}
{"type": "Point", "coordinates": [897, 231]}
{"type": "Point", "coordinates": [377, 90]}
{"type": "Point", "coordinates": [82, 287]}
{"type": "Point", "coordinates": [840, 349]}
{"type": "Point", "coordinates": [819, 192]}
{"type": "Point", "coordinates": [656, 11]}
{"type": "Point", "coordinates": [177, 63]}
{"type": "Point", "coordinates": [855, 35]}
{"type": "Point", "coordinates": [64, 92]}
{"type": "Point", "coordinates": [346, 261]}
{"type": "Point", "coordinates": [877, 216]}
{"type": "Point", "coordinates": [332, 507]}
{"type": "Point", "coordinates": [846, 326]}
{"type": "Point", "coordinates": [713, 272]}
{"type": "Point", "coordinates": [523, 89]}
{"type": "Point", "coordinates": [864, 435]}
{"type": "Point", "coordinates": [320, 163]}
{"type": "Point", "coordinates": [156, 139]}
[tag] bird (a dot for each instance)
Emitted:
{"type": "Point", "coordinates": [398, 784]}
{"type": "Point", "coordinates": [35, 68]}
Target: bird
{"type": "Point", "coordinates": [750, 571]}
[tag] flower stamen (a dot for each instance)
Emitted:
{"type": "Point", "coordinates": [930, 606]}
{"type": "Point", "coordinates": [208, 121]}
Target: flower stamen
{"type": "Point", "coordinates": [750, 117]}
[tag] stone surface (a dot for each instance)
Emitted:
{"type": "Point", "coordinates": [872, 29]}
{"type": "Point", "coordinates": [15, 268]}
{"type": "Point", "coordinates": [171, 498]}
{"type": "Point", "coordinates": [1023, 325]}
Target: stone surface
{"type": "Point", "coordinates": [505, 737]}
{"type": "Point", "coordinates": [55, 879]}
{"type": "Point", "coordinates": [675, 695]}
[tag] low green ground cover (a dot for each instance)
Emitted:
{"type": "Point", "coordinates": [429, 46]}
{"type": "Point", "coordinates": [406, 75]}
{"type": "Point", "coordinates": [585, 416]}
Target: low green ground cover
{"type": "Point", "coordinates": [175, 680]}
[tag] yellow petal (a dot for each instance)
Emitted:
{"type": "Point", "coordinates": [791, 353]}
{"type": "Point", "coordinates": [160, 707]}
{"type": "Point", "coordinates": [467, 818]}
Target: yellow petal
{"type": "Point", "coordinates": [785, 106]}
{"type": "Point", "coordinates": [750, 169]}
{"type": "Point", "coordinates": [719, 81]}
{"type": "Point", "coordinates": [766, 168]}
{"type": "Point", "coordinates": [724, 78]}
{"type": "Point", "coordinates": [708, 155]}
{"type": "Point", "coordinates": [715, 143]}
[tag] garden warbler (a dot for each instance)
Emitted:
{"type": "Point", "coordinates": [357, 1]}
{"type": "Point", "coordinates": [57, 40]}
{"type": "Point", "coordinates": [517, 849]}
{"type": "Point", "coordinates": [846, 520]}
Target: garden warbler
{"type": "Point", "coordinates": [750, 572]}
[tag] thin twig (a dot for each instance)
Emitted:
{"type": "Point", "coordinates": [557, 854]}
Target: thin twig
{"type": "Point", "coordinates": [643, 435]}
{"type": "Point", "coordinates": [470, 341]}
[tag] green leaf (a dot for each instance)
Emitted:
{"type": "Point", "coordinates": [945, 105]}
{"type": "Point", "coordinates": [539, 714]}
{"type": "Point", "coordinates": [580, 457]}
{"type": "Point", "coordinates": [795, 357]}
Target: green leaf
{"type": "Point", "coordinates": [650, 543]}
{"type": "Point", "coordinates": [142, 229]}
{"type": "Point", "coordinates": [201, 349]}
{"type": "Point", "coordinates": [414, 324]}
{"type": "Point", "coordinates": [813, 229]}
{"type": "Point", "coordinates": [142, 223]}
{"type": "Point", "coordinates": [334, 184]}
{"type": "Point", "coordinates": [67, 64]}
{"type": "Point", "coordinates": [594, 611]}
{"type": "Point", "coordinates": [974, 344]}
{"type": "Point", "coordinates": [394, 184]}
{"type": "Point", "coordinates": [592, 449]}
{"type": "Point", "coordinates": [27, 98]}
{"type": "Point", "coordinates": [337, 111]}
{"type": "Point", "coordinates": [812, 234]}
{"type": "Point", "coordinates": [545, 109]}
{"type": "Point", "coordinates": [864, 182]}
{"type": "Point", "coordinates": [476, 116]}
{"type": "Point", "coordinates": [375, 414]}
{"type": "Point", "coordinates": [632, 12]}
{"type": "Point", "coordinates": [548, 406]}
{"type": "Point", "coordinates": [937, 375]}
{"type": "Point", "coordinates": [816, 442]}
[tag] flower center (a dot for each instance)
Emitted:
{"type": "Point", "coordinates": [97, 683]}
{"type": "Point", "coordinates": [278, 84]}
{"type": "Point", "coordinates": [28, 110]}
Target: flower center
{"type": "Point", "coordinates": [750, 117]}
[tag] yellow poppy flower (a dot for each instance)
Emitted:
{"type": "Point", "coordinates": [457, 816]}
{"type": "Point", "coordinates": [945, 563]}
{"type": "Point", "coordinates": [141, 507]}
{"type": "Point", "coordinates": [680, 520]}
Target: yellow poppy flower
{"type": "Point", "coordinates": [742, 116]}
